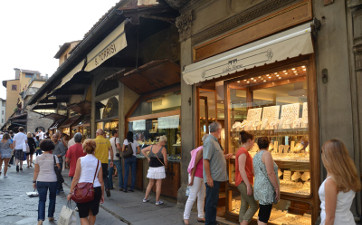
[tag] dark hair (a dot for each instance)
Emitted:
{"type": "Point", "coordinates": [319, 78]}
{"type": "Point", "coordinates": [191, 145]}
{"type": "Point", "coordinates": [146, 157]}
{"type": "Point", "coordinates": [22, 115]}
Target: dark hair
{"type": "Point", "coordinates": [47, 145]}
{"type": "Point", "coordinates": [245, 136]}
{"type": "Point", "coordinates": [130, 136]}
{"type": "Point", "coordinates": [6, 136]}
{"type": "Point", "coordinates": [37, 138]}
{"type": "Point", "coordinates": [21, 129]}
{"type": "Point", "coordinates": [263, 142]}
{"type": "Point", "coordinates": [114, 132]}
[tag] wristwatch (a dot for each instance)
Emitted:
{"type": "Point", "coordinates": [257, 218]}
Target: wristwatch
{"type": "Point", "coordinates": [34, 181]}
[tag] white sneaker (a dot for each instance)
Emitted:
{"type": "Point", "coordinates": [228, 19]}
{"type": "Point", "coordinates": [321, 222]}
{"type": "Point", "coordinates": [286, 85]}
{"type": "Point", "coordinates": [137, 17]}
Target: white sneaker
{"type": "Point", "coordinates": [145, 200]}
{"type": "Point", "coordinates": [159, 203]}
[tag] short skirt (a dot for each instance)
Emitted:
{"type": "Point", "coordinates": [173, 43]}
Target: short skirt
{"type": "Point", "coordinates": [5, 153]}
{"type": "Point", "coordinates": [84, 208]}
{"type": "Point", "coordinates": [19, 154]}
{"type": "Point", "coordinates": [156, 173]}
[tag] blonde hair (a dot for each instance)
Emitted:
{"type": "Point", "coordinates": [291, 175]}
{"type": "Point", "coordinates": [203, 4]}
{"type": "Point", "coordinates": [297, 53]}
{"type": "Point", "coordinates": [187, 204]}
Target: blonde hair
{"type": "Point", "coordinates": [89, 146]}
{"type": "Point", "coordinates": [162, 138]}
{"type": "Point", "coordinates": [29, 135]}
{"type": "Point", "coordinates": [340, 166]}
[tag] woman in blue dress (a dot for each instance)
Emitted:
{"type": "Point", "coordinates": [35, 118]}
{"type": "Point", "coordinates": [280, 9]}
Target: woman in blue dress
{"type": "Point", "coordinates": [6, 148]}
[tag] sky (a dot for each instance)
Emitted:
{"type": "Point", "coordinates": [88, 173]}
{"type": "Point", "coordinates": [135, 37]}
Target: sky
{"type": "Point", "coordinates": [31, 32]}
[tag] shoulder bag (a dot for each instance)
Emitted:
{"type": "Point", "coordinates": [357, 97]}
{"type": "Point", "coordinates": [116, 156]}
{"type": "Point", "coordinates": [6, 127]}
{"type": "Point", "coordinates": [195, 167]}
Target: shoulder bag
{"type": "Point", "coordinates": [159, 158]}
{"type": "Point", "coordinates": [58, 172]}
{"type": "Point", "coordinates": [128, 151]}
{"type": "Point", "coordinates": [84, 192]}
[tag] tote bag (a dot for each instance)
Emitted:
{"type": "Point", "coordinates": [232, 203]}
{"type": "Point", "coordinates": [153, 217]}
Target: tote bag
{"type": "Point", "coordinates": [67, 216]}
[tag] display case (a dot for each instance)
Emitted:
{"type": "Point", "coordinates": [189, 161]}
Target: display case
{"type": "Point", "coordinates": [274, 105]}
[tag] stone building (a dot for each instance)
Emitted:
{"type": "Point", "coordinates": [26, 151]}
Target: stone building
{"type": "Point", "coordinates": [236, 55]}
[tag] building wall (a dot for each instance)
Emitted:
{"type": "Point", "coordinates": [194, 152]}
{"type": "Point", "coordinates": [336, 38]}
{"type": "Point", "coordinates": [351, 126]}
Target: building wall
{"type": "Point", "coordinates": [11, 97]}
{"type": "Point", "coordinates": [2, 112]}
{"type": "Point", "coordinates": [65, 55]}
{"type": "Point", "coordinates": [24, 81]}
{"type": "Point", "coordinates": [37, 83]}
{"type": "Point", "coordinates": [337, 48]}
{"type": "Point", "coordinates": [35, 120]}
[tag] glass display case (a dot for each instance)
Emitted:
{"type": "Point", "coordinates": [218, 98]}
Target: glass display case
{"type": "Point", "coordinates": [274, 105]}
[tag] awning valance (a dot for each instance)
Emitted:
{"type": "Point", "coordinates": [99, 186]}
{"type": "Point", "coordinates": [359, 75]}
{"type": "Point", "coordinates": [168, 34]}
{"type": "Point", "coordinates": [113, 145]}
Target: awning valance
{"type": "Point", "coordinates": [111, 45]}
{"type": "Point", "coordinates": [288, 44]}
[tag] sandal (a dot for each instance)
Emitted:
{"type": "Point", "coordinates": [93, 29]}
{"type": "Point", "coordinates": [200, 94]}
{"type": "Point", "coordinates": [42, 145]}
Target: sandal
{"type": "Point", "coordinates": [201, 220]}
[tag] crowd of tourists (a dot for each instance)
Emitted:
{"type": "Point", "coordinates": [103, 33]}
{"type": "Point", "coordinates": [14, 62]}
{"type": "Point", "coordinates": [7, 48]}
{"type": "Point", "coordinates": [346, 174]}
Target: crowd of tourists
{"type": "Point", "coordinates": [92, 163]}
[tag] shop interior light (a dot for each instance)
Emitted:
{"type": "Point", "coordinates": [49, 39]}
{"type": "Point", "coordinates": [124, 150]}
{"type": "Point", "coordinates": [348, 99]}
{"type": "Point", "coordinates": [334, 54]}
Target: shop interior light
{"type": "Point", "coordinates": [293, 69]}
{"type": "Point", "coordinates": [279, 78]}
{"type": "Point", "coordinates": [264, 81]}
{"type": "Point", "coordinates": [278, 75]}
{"type": "Point", "coordinates": [238, 81]}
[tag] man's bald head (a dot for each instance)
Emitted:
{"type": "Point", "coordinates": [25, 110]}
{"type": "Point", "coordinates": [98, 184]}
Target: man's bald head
{"type": "Point", "coordinates": [99, 132]}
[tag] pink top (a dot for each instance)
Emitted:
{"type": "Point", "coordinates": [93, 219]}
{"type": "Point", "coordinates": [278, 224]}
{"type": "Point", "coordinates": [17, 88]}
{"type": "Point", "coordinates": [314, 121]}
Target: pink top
{"type": "Point", "coordinates": [199, 166]}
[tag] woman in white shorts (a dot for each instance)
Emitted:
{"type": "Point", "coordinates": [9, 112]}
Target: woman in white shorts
{"type": "Point", "coordinates": [157, 159]}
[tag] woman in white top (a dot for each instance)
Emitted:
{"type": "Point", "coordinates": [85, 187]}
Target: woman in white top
{"type": "Point", "coordinates": [84, 173]}
{"type": "Point", "coordinates": [44, 179]}
{"type": "Point", "coordinates": [339, 188]}
{"type": "Point", "coordinates": [130, 161]}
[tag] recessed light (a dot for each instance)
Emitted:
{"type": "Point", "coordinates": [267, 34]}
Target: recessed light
{"type": "Point", "coordinates": [248, 82]}
{"type": "Point", "coordinates": [278, 75]}
{"type": "Point", "coordinates": [238, 81]}
{"type": "Point", "coordinates": [264, 81]}
{"type": "Point", "coordinates": [284, 71]}
{"type": "Point", "coordinates": [259, 77]}
{"type": "Point", "coordinates": [303, 66]}
{"type": "Point", "coordinates": [279, 78]}
{"type": "Point", "coordinates": [275, 73]}
{"type": "Point", "coordinates": [245, 80]}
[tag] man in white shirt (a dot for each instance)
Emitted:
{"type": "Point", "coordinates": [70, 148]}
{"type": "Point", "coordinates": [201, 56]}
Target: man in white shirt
{"type": "Point", "coordinates": [117, 160]}
{"type": "Point", "coordinates": [19, 140]}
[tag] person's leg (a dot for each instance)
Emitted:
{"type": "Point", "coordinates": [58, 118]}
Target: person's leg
{"type": "Point", "coordinates": [119, 173]}
{"type": "Point", "coordinates": [264, 214]}
{"type": "Point", "coordinates": [151, 182]}
{"type": "Point", "coordinates": [243, 203]}
{"type": "Point", "coordinates": [158, 189]}
{"type": "Point", "coordinates": [84, 221]}
{"type": "Point", "coordinates": [1, 164]}
{"type": "Point", "coordinates": [127, 163]}
{"type": "Point", "coordinates": [31, 159]}
{"type": "Point", "coordinates": [42, 190]}
{"type": "Point", "coordinates": [59, 185]}
{"type": "Point", "coordinates": [105, 178]}
{"type": "Point", "coordinates": [212, 197]}
{"type": "Point", "coordinates": [200, 198]}
{"type": "Point", "coordinates": [191, 199]}
{"type": "Point", "coordinates": [133, 172]}
{"type": "Point", "coordinates": [6, 166]}
{"type": "Point", "coordinates": [92, 218]}
{"type": "Point", "coordinates": [52, 198]}
{"type": "Point", "coordinates": [110, 178]}
{"type": "Point", "coordinates": [27, 160]}
{"type": "Point", "coordinates": [253, 207]}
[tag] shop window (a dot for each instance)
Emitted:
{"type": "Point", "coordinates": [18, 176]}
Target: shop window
{"type": "Point", "coordinates": [274, 105]}
{"type": "Point", "coordinates": [107, 108]}
{"type": "Point", "coordinates": [105, 86]}
{"type": "Point", "coordinates": [29, 75]}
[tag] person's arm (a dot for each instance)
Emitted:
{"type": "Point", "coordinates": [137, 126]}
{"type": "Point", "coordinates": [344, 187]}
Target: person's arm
{"type": "Point", "coordinates": [241, 161]}
{"type": "Point", "coordinates": [118, 145]}
{"type": "Point", "coordinates": [101, 181]}
{"type": "Point", "coordinates": [68, 156]}
{"type": "Point", "coordinates": [35, 176]}
{"type": "Point", "coordinates": [269, 164]}
{"type": "Point", "coordinates": [198, 158]}
{"type": "Point", "coordinates": [164, 153]}
{"type": "Point", "coordinates": [331, 191]}
{"type": "Point", "coordinates": [138, 151]}
{"type": "Point", "coordinates": [209, 180]}
{"type": "Point", "coordinates": [75, 179]}
{"type": "Point", "coordinates": [145, 152]}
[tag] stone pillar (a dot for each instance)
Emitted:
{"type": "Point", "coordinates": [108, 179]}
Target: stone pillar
{"type": "Point", "coordinates": [354, 19]}
{"type": "Point", "coordinates": [93, 109]}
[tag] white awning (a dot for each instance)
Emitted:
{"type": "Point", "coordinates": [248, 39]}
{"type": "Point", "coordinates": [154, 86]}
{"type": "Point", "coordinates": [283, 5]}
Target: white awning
{"type": "Point", "coordinates": [111, 45]}
{"type": "Point", "coordinates": [69, 75]}
{"type": "Point", "coordinates": [288, 44]}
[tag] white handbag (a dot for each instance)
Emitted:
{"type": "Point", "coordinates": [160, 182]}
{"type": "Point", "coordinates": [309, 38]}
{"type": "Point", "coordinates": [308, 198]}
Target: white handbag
{"type": "Point", "coordinates": [67, 216]}
{"type": "Point", "coordinates": [26, 148]}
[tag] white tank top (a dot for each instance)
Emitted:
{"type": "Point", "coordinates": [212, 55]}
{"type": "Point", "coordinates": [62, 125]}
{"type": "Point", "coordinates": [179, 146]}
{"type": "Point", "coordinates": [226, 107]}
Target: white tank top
{"type": "Point", "coordinates": [88, 168]}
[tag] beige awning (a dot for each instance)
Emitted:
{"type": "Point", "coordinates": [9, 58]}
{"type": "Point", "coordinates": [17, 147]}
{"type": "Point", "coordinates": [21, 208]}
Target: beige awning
{"type": "Point", "coordinates": [111, 45]}
{"type": "Point", "coordinates": [281, 46]}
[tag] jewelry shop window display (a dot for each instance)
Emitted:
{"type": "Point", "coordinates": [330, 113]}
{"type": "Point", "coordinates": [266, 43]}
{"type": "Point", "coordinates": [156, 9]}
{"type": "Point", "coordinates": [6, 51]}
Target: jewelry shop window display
{"type": "Point", "coordinates": [107, 115]}
{"type": "Point", "coordinates": [274, 105]}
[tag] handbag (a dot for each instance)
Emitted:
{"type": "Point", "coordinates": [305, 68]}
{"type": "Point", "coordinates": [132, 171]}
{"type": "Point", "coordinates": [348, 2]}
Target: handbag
{"type": "Point", "coordinates": [67, 216]}
{"type": "Point", "coordinates": [84, 192]}
{"type": "Point", "coordinates": [128, 151]}
{"type": "Point", "coordinates": [26, 148]}
{"type": "Point", "coordinates": [58, 172]}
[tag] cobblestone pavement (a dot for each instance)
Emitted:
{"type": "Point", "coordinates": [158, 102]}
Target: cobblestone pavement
{"type": "Point", "coordinates": [19, 209]}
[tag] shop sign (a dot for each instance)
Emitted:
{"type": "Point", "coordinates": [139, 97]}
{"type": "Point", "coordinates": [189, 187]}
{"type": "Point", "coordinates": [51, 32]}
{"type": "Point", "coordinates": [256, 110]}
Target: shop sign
{"type": "Point", "coordinates": [139, 125]}
{"type": "Point", "coordinates": [111, 45]}
{"type": "Point", "coordinates": [169, 122]}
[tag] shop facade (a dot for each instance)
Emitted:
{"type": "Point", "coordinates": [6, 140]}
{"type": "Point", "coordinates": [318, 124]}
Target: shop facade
{"type": "Point", "coordinates": [255, 67]}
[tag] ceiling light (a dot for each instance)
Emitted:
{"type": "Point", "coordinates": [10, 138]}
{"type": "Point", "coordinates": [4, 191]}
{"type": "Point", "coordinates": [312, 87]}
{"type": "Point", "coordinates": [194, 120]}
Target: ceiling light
{"type": "Point", "coordinates": [245, 80]}
{"type": "Point", "coordinates": [278, 75]}
{"type": "Point", "coordinates": [264, 81]}
{"type": "Point", "coordinates": [248, 82]}
{"type": "Point", "coordinates": [259, 77]}
{"type": "Point", "coordinates": [303, 66]}
{"type": "Point", "coordinates": [269, 77]}
{"type": "Point", "coordinates": [284, 71]}
{"type": "Point", "coordinates": [275, 73]}
{"type": "Point", "coordinates": [238, 81]}
{"type": "Point", "coordinates": [279, 78]}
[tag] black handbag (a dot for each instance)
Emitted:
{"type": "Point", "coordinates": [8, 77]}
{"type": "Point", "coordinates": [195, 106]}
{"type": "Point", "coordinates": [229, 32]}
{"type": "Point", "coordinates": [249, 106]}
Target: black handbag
{"type": "Point", "coordinates": [58, 172]}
